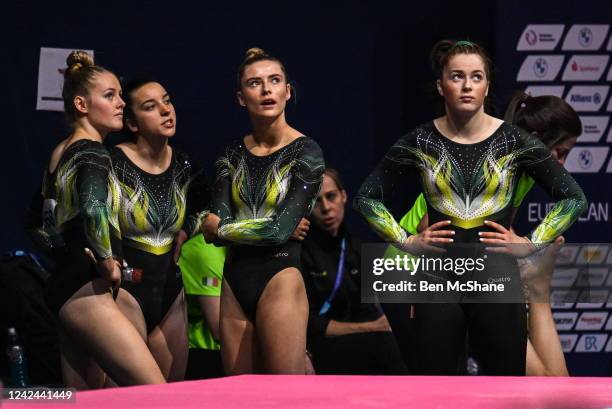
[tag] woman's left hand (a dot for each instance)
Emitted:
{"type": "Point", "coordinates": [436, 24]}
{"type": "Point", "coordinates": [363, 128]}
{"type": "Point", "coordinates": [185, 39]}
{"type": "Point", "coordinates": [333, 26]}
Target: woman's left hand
{"type": "Point", "coordinates": [506, 241]}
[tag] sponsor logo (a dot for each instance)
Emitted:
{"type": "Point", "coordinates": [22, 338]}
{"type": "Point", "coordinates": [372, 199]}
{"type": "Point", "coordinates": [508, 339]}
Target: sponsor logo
{"type": "Point", "coordinates": [564, 277]}
{"type": "Point", "coordinates": [539, 90]}
{"type": "Point", "coordinates": [585, 67]}
{"type": "Point", "coordinates": [591, 342]}
{"type": "Point", "coordinates": [592, 254]}
{"type": "Point", "coordinates": [531, 37]}
{"type": "Point", "coordinates": [587, 98]}
{"type": "Point", "coordinates": [540, 37]}
{"type": "Point", "coordinates": [567, 254]}
{"type": "Point", "coordinates": [585, 37]}
{"type": "Point", "coordinates": [568, 341]}
{"type": "Point", "coordinates": [563, 299]}
{"type": "Point", "coordinates": [593, 128]}
{"type": "Point", "coordinates": [588, 159]}
{"type": "Point", "coordinates": [591, 321]}
{"type": "Point", "coordinates": [540, 68]}
{"type": "Point", "coordinates": [564, 321]}
{"type": "Point", "coordinates": [592, 299]}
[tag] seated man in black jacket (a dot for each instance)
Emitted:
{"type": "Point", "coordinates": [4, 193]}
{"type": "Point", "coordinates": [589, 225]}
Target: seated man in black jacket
{"type": "Point", "coordinates": [344, 335]}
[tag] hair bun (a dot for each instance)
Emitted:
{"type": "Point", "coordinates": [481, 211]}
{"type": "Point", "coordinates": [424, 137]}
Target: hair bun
{"type": "Point", "coordinates": [254, 52]}
{"type": "Point", "coordinates": [78, 59]}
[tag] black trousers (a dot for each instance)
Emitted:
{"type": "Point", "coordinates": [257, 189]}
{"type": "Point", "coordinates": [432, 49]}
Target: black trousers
{"type": "Point", "coordinates": [204, 364]}
{"type": "Point", "coordinates": [497, 336]}
{"type": "Point", "coordinates": [367, 353]}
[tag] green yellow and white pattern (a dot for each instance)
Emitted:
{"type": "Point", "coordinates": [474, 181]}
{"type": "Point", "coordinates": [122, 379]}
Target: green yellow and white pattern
{"type": "Point", "coordinates": [261, 199]}
{"type": "Point", "coordinates": [470, 183]}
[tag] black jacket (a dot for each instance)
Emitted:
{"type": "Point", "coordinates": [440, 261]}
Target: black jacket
{"type": "Point", "coordinates": [320, 256]}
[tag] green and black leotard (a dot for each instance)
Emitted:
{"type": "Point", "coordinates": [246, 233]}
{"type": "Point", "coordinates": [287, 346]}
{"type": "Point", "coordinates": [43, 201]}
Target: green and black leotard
{"type": "Point", "coordinates": [148, 210]}
{"type": "Point", "coordinates": [75, 216]}
{"type": "Point", "coordinates": [469, 184]}
{"type": "Point", "coordinates": [260, 201]}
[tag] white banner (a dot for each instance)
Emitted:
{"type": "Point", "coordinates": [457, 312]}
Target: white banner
{"type": "Point", "coordinates": [540, 37]}
{"type": "Point", "coordinates": [540, 68]}
{"type": "Point", "coordinates": [587, 98]}
{"type": "Point", "coordinates": [539, 90]}
{"type": "Point", "coordinates": [593, 128]}
{"type": "Point", "coordinates": [586, 159]}
{"type": "Point", "coordinates": [51, 68]}
{"type": "Point", "coordinates": [585, 67]}
{"type": "Point", "coordinates": [583, 37]}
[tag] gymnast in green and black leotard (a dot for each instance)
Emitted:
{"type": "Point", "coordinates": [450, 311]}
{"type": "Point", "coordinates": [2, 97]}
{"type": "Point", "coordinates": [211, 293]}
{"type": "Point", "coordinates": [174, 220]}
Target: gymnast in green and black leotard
{"type": "Point", "coordinates": [94, 331]}
{"type": "Point", "coordinates": [469, 165]}
{"type": "Point", "coordinates": [557, 125]}
{"type": "Point", "coordinates": [266, 183]}
{"type": "Point", "coordinates": [157, 199]}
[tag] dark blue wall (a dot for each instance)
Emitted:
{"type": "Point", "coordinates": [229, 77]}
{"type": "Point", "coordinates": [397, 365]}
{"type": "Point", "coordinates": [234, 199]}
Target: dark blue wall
{"type": "Point", "coordinates": [361, 71]}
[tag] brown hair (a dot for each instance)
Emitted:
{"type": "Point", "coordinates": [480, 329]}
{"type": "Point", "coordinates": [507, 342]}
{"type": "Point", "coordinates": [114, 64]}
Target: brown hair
{"type": "Point", "coordinates": [254, 55]}
{"type": "Point", "coordinates": [551, 118]}
{"type": "Point", "coordinates": [335, 176]}
{"type": "Point", "coordinates": [78, 77]}
{"type": "Point", "coordinates": [444, 50]}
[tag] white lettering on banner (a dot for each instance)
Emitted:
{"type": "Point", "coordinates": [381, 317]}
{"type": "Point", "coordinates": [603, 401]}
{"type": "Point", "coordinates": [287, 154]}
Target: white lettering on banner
{"type": "Point", "coordinates": [596, 212]}
{"type": "Point", "coordinates": [587, 98]}
{"type": "Point", "coordinates": [540, 37]}
{"type": "Point", "coordinates": [591, 342]}
{"type": "Point", "coordinates": [581, 37]}
{"type": "Point", "coordinates": [564, 321]}
{"type": "Point", "coordinates": [593, 128]}
{"type": "Point", "coordinates": [591, 321]}
{"type": "Point", "coordinates": [586, 159]}
{"type": "Point", "coordinates": [585, 67]}
{"type": "Point", "coordinates": [564, 277]}
{"type": "Point", "coordinates": [540, 68]}
{"type": "Point", "coordinates": [568, 341]}
{"type": "Point", "coordinates": [51, 67]}
{"type": "Point", "coordinates": [539, 90]}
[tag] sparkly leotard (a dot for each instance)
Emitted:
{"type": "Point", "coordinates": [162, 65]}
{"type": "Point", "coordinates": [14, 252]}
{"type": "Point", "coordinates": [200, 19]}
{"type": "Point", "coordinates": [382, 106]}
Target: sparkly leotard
{"type": "Point", "coordinates": [75, 216]}
{"type": "Point", "coordinates": [260, 201]}
{"type": "Point", "coordinates": [469, 184]}
{"type": "Point", "coordinates": [147, 212]}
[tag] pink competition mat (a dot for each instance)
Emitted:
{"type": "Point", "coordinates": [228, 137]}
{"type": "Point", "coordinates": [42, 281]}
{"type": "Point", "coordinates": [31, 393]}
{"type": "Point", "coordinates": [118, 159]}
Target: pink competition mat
{"type": "Point", "coordinates": [295, 392]}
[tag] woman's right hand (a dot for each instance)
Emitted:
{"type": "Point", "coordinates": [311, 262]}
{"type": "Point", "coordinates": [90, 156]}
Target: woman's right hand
{"type": "Point", "coordinates": [379, 325]}
{"type": "Point", "coordinates": [109, 269]}
{"type": "Point", "coordinates": [301, 230]}
{"type": "Point", "coordinates": [426, 240]}
{"type": "Point", "coordinates": [210, 227]}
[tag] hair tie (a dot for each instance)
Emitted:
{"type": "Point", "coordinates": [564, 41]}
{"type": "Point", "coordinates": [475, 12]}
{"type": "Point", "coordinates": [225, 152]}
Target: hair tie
{"type": "Point", "coordinates": [464, 43]}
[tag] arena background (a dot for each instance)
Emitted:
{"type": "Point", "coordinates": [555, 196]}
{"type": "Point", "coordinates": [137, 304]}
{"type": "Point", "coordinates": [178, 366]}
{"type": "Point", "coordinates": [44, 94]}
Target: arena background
{"type": "Point", "coordinates": [361, 71]}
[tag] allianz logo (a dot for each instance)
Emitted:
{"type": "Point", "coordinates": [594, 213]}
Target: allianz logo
{"type": "Point", "coordinates": [595, 98]}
